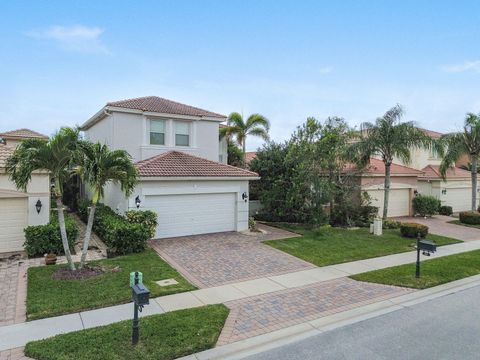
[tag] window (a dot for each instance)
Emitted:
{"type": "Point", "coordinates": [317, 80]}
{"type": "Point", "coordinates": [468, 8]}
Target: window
{"type": "Point", "coordinates": [182, 134]}
{"type": "Point", "coordinates": [157, 132]}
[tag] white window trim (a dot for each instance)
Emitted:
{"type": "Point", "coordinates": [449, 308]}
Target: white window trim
{"type": "Point", "coordinates": [190, 134]}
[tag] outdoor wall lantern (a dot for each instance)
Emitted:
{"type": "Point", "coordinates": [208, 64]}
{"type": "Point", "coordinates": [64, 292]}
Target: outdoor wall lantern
{"type": "Point", "coordinates": [444, 192]}
{"type": "Point", "coordinates": [244, 196]}
{"type": "Point", "coordinates": [137, 201]}
{"type": "Point", "coordinates": [427, 248]}
{"type": "Point", "coordinates": [38, 206]}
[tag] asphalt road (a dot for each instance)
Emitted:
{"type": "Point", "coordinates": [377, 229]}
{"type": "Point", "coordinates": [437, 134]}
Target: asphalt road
{"type": "Point", "coordinates": [443, 328]}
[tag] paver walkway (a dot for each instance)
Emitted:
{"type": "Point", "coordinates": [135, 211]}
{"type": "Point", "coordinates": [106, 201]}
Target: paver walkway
{"type": "Point", "coordinates": [439, 225]}
{"type": "Point", "coordinates": [265, 313]}
{"type": "Point", "coordinates": [229, 257]}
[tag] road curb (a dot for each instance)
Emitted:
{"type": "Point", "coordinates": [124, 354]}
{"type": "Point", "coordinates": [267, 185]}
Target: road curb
{"type": "Point", "coordinates": [257, 344]}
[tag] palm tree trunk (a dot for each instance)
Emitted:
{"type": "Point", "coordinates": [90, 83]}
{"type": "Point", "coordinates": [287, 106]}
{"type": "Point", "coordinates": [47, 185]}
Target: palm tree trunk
{"type": "Point", "coordinates": [474, 182]}
{"type": "Point", "coordinates": [244, 154]}
{"type": "Point", "coordinates": [63, 232]}
{"type": "Point", "coordinates": [88, 235]}
{"type": "Point", "coordinates": [386, 191]}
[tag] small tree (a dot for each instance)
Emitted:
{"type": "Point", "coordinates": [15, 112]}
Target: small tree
{"type": "Point", "coordinates": [98, 166]}
{"type": "Point", "coordinates": [390, 138]}
{"type": "Point", "coordinates": [55, 156]}
{"type": "Point", "coordinates": [256, 125]}
{"type": "Point", "coordinates": [235, 155]}
{"type": "Point", "coordinates": [466, 142]}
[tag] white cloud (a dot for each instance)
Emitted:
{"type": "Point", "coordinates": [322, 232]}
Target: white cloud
{"type": "Point", "coordinates": [466, 66]}
{"type": "Point", "coordinates": [76, 38]}
{"type": "Point", "coordinates": [326, 70]}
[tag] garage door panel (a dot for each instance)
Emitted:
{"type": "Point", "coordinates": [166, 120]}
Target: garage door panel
{"type": "Point", "coordinates": [459, 199]}
{"type": "Point", "coordinates": [190, 214]}
{"type": "Point", "coordinates": [13, 219]}
{"type": "Point", "coordinates": [398, 201]}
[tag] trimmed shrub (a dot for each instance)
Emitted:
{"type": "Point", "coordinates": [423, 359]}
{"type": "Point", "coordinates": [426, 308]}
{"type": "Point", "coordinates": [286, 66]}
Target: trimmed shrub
{"type": "Point", "coordinates": [470, 217]}
{"type": "Point", "coordinates": [347, 215]}
{"type": "Point", "coordinates": [445, 210]}
{"type": "Point", "coordinates": [391, 224]}
{"type": "Point", "coordinates": [426, 205]}
{"type": "Point", "coordinates": [122, 234]}
{"type": "Point", "coordinates": [252, 224]}
{"type": "Point", "coordinates": [146, 218]}
{"type": "Point", "coordinates": [411, 230]}
{"type": "Point", "coordinates": [44, 239]}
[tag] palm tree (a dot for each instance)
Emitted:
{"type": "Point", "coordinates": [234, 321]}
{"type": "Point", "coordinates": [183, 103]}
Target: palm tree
{"type": "Point", "coordinates": [256, 125]}
{"type": "Point", "coordinates": [466, 142]}
{"type": "Point", "coordinates": [55, 156]}
{"type": "Point", "coordinates": [390, 138]}
{"type": "Point", "coordinates": [98, 165]}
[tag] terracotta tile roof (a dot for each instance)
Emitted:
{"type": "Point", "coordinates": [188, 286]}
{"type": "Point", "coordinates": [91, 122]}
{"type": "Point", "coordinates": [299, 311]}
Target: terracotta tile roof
{"type": "Point", "coordinates": [179, 164]}
{"type": "Point", "coordinates": [433, 172]}
{"type": "Point", "coordinates": [250, 155]}
{"type": "Point", "coordinates": [161, 105]}
{"type": "Point", "coordinates": [431, 133]}
{"type": "Point", "coordinates": [5, 153]}
{"type": "Point", "coordinates": [378, 167]}
{"type": "Point", "coordinates": [22, 134]}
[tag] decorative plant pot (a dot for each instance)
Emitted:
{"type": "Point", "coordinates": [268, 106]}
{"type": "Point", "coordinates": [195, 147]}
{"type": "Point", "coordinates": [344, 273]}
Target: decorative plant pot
{"type": "Point", "coordinates": [50, 259]}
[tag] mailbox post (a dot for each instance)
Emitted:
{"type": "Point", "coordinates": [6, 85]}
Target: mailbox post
{"type": "Point", "coordinates": [427, 247]}
{"type": "Point", "coordinates": [140, 296]}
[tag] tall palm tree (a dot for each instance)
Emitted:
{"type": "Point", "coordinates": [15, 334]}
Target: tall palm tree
{"type": "Point", "coordinates": [256, 125]}
{"type": "Point", "coordinates": [390, 138]}
{"type": "Point", "coordinates": [55, 156]}
{"type": "Point", "coordinates": [466, 142]}
{"type": "Point", "coordinates": [98, 166]}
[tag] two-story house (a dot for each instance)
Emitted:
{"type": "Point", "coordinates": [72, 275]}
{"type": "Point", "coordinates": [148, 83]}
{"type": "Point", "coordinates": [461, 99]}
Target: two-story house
{"type": "Point", "coordinates": [420, 176]}
{"type": "Point", "coordinates": [19, 209]}
{"type": "Point", "coordinates": [183, 173]}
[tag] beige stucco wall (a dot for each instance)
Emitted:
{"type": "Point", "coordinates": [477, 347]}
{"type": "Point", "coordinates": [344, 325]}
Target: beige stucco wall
{"type": "Point", "coordinates": [130, 132]}
{"type": "Point", "coordinates": [223, 151]}
{"type": "Point", "coordinates": [37, 189]}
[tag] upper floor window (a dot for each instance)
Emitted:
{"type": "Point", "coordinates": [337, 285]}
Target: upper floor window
{"type": "Point", "coordinates": [157, 132]}
{"type": "Point", "coordinates": [182, 133]}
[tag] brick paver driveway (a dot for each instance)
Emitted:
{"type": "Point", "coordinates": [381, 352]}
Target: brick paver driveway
{"type": "Point", "coordinates": [223, 258]}
{"type": "Point", "coordinates": [269, 312]}
{"type": "Point", "coordinates": [439, 225]}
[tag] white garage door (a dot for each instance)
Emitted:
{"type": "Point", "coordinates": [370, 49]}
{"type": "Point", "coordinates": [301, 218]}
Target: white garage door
{"type": "Point", "coordinates": [13, 219]}
{"type": "Point", "coordinates": [398, 201]}
{"type": "Point", "coordinates": [459, 199]}
{"type": "Point", "coordinates": [180, 215]}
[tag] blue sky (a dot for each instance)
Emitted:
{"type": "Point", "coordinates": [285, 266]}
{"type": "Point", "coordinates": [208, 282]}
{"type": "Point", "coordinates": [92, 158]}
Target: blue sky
{"type": "Point", "coordinates": [60, 61]}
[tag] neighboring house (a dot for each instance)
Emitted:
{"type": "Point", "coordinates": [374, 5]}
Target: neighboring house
{"type": "Point", "coordinates": [18, 209]}
{"type": "Point", "coordinates": [177, 152]}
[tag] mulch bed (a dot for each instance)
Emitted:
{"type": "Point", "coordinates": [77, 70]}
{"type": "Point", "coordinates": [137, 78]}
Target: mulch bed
{"type": "Point", "coordinates": [86, 273]}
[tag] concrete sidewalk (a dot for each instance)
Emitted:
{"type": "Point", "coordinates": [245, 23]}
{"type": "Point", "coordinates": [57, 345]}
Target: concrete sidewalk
{"type": "Point", "coordinates": [13, 336]}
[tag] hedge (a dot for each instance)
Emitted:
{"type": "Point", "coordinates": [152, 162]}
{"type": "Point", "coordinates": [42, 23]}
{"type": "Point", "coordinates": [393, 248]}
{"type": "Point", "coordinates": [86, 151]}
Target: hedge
{"type": "Point", "coordinates": [426, 205]}
{"type": "Point", "coordinates": [123, 235]}
{"type": "Point", "coordinates": [411, 230]}
{"type": "Point", "coordinates": [445, 210]}
{"type": "Point", "coordinates": [45, 239]}
{"type": "Point", "coordinates": [470, 217]}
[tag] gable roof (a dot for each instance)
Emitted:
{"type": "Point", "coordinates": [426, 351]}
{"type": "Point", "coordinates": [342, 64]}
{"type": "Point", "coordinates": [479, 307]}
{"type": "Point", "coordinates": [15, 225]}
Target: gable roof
{"type": "Point", "coordinates": [377, 167]}
{"type": "Point", "coordinates": [433, 172]}
{"type": "Point", "coordinates": [22, 134]}
{"type": "Point", "coordinates": [5, 153]}
{"type": "Point", "coordinates": [164, 106]}
{"type": "Point", "coordinates": [179, 164]}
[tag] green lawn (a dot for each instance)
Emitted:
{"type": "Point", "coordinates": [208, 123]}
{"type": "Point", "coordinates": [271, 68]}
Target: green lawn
{"type": "Point", "coordinates": [433, 272]}
{"type": "Point", "coordinates": [165, 336]}
{"type": "Point", "coordinates": [327, 246]}
{"type": "Point", "coordinates": [49, 297]}
{"type": "Point", "coordinates": [457, 222]}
